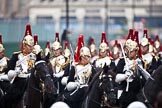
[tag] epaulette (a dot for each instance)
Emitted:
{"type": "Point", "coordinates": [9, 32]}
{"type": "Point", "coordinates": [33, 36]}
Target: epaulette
{"type": "Point", "coordinates": [17, 52]}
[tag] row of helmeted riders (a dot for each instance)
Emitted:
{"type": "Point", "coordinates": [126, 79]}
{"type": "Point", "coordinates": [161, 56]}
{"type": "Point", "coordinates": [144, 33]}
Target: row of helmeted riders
{"type": "Point", "coordinates": [73, 71]}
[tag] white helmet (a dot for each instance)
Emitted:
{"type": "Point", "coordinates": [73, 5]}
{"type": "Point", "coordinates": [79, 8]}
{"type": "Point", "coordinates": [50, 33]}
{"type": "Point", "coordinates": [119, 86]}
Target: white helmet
{"type": "Point", "coordinates": [60, 105]}
{"type": "Point", "coordinates": [56, 45]}
{"type": "Point", "coordinates": [37, 49]}
{"type": "Point", "coordinates": [103, 47]}
{"type": "Point", "coordinates": [28, 40]}
{"type": "Point", "coordinates": [84, 51]}
{"type": "Point", "coordinates": [64, 80]}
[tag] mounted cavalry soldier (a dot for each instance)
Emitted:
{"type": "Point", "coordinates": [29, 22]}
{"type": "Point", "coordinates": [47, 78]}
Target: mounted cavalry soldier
{"type": "Point", "coordinates": [19, 66]}
{"type": "Point", "coordinates": [79, 78]}
{"type": "Point", "coordinates": [104, 58]}
{"type": "Point", "coordinates": [74, 59]}
{"type": "Point", "coordinates": [150, 63]}
{"type": "Point", "coordinates": [59, 62]}
{"type": "Point", "coordinates": [130, 77]}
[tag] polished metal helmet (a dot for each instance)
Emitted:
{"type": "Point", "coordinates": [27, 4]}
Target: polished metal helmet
{"type": "Point", "coordinates": [92, 47]}
{"type": "Point", "coordinates": [144, 41]}
{"type": "Point", "coordinates": [103, 47]}
{"type": "Point", "coordinates": [28, 40]}
{"type": "Point", "coordinates": [132, 46]}
{"type": "Point", "coordinates": [84, 51]}
{"type": "Point", "coordinates": [115, 50]}
{"type": "Point", "coordinates": [56, 45]}
{"type": "Point", "coordinates": [37, 49]}
{"type": "Point", "coordinates": [67, 52]}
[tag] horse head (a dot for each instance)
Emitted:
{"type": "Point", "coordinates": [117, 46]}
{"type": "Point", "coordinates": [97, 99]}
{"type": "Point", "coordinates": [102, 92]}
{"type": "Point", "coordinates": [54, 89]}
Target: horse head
{"type": "Point", "coordinates": [108, 88]}
{"type": "Point", "coordinates": [43, 72]}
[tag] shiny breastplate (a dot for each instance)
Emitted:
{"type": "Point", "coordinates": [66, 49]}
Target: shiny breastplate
{"type": "Point", "coordinates": [59, 63]}
{"type": "Point", "coordinates": [83, 73]}
{"type": "Point", "coordinates": [102, 61]}
{"type": "Point", "coordinates": [25, 63]}
{"type": "Point", "coordinates": [3, 64]}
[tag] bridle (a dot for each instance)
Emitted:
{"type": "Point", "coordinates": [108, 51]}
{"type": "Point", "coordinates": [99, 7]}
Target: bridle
{"type": "Point", "coordinates": [104, 97]}
{"type": "Point", "coordinates": [41, 81]}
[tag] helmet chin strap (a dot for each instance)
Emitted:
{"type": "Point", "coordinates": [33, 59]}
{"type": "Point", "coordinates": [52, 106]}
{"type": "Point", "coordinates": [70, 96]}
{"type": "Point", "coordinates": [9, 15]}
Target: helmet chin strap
{"type": "Point", "coordinates": [25, 52]}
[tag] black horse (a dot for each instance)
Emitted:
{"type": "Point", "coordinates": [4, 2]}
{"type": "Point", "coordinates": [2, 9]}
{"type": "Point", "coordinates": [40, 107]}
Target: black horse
{"type": "Point", "coordinates": [101, 92]}
{"type": "Point", "coordinates": [151, 88]}
{"type": "Point", "coordinates": [29, 89]}
{"type": "Point", "coordinates": [41, 86]}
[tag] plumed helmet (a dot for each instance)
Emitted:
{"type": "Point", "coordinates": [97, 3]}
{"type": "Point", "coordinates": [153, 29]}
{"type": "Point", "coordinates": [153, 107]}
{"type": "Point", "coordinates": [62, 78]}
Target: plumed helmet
{"type": "Point", "coordinates": [130, 34]}
{"type": "Point", "coordinates": [104, 43]}
{"type": "Point", "coordinates": [35, 39]}
{"type": "Point", "coordinates": [144, 41]}
{"type": "Point", "coordinates": [57, 38]}
{"type": "Point", "coordinates": [92, 45]}
{"type": "Point", "coordinates": [132, 46]}
{"type": "Point", "coordinates": [28, 39]}
{"type": "Point", "coordinates": [67, 52]}
{"type": "Point", "coordinates": [56, 45]}
{"type": "Point", "coordinates": [129, 37]}
{"type": "Point", "coordinates": [116, 49]}
{"type": "Point", "coordinates": [151, 45]}
{"type": "Point", "coordinates": [37, 48]}
{"type": "Point", "coordinates": [80, 44]}
{"type": "Point", "coordinates": [84, 51]}
{"type": "Point", "coordinates": [47, 49]}
{"type": "Point", "coordinates": [1, 45]}
{"type": "Point", "coordinates": [103, 47]}
{"type": "Point", "coordinates": [128, 41]}
{"type": "Point", "coordinates": [157, 42]}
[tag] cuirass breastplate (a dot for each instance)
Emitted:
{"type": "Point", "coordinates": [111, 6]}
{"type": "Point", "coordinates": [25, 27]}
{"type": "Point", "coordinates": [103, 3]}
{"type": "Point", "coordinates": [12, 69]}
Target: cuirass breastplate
{"type": "Point", "coordinates": [83, 73]}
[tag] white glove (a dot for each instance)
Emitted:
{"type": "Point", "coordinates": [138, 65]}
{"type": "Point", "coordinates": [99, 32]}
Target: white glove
{"type": "Point", "coordinates": [120, 77]}
{"type": "Point", "coordinates": [64, 80]}
{"type": "Point", "coordinates": [4, 77]}
{"type": "Point", "coordinates": [129, 73]}
{"type": "Point", "coordinates": [58, 75]}
{"type": "Point", "coordinates": [72, 85]}
{"type": "Point", "coordinates": [13, 73]}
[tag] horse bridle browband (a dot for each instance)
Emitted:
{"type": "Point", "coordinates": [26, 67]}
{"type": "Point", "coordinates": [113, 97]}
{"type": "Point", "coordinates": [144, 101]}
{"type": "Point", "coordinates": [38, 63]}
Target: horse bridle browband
{"type": "Point", "coordinates": [41, 61]}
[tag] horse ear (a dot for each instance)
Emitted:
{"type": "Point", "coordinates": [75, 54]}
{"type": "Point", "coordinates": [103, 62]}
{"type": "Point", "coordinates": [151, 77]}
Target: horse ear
{"type": "Point", "coordinates": [105, 68]}
{"type": "Point", "coordinates": [39, 56]}
{"type": "Point", "coordinates": [47, 57]}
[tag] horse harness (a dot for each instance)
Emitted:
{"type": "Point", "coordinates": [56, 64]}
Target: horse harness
{"type": "Point", "coordinates": [104, 99]}
{"type": "Point", "coordinates": [41, 88]}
